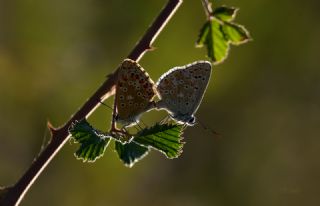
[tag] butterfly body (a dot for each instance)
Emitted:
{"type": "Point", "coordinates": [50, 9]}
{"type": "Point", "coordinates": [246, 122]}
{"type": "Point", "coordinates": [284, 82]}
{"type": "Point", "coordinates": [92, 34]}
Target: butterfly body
{"type": "Point", "coordinates": [134, 93]}
{"type": "Point", "coordinates": [181, 90]}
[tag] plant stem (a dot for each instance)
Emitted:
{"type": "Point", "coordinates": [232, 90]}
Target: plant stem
{"type": "Point", "coordinates": [60, 135]}
{"type": "Point", "coordinates": [207, 8]}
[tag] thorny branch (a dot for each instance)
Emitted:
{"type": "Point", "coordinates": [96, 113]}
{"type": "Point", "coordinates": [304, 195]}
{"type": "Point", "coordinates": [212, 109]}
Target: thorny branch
{"type": "Point", "coordinates": [60, 135]}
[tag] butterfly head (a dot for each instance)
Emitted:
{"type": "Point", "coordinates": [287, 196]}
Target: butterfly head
{"type": "Point", "coordinates": [190, 120]}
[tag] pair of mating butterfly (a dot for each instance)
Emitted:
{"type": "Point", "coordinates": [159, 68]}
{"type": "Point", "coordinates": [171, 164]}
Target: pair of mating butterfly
{"type": "Point", "coordinates": [180, 91]}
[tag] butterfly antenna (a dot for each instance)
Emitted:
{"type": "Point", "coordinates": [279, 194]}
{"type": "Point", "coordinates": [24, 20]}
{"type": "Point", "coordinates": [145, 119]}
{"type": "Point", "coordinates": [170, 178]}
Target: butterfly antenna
{"type": "Point", "coordinates": [106, 105]}
{"type": "Point", "coordinates": [209, 129]}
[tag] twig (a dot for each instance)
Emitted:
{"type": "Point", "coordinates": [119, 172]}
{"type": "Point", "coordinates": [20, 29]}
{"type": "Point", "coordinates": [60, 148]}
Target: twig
{"type": "Point", "coordinates": [60, 135]}
{"type": "Point", "coordinates": [207, 8]}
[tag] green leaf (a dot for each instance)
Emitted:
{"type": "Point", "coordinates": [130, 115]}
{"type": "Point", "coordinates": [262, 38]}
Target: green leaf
{"type": "Point", "coordinates": [225, 13]}
{"type": "Point", "coordinates": [163, 137]}
{"type": "Point", "coordinates": [219, 32]}
{"type": "Point", "coordinates": [204, 35]}
{"type": "Point", "coordinates": [92, 142]}
{"type": "Point", "coordinates": [212, 37]}
{"type": "Point", "coordinates": [130, 153]}
{"type": "Point", "coordinates": [236, 33]}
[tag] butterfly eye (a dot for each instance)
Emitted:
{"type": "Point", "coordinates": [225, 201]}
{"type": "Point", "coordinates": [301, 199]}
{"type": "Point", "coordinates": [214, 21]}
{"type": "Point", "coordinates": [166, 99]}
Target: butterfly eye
{"type": "Point", "coordinates": [130, 103]}
{"type": "Point", "coordinates": [181, 81]}
{"type": "Point", "coordinates": [124, 89]}
{"type": "Point", "coordinates": [186, 86]}
{"type": "Point", "coordinates": [192, 120]}
{"type": "Point", "coordinates": [166, 91]}
{"type": "Point", "coordinates": [121, 97]}
{"type": "Point", "coordinates": [122, 104]}
{"type": "Point", "coordinates": [171, 91]}
{"type": "Point", "coordinates": [139, 94]}
{"type": "Point", "coordinates": [137, 87]}
{"type": "Point", "coordinates": [136, 104]}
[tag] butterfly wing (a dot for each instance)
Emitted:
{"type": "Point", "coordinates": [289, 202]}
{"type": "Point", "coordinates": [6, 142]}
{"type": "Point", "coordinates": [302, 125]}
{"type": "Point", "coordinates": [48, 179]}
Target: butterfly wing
{"type": "Point", "coordinates": [134, 92]}
{"type": "Point", "coordinates": [181, 89]}
{"type": "Point", "coordinates": [200, 76]}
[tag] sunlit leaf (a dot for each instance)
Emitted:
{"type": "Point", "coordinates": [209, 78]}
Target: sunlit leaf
{"type": "Point", "coordinates": [212, 37]}
{"type": "Point", "coordinates": [236, 33]}
{"type": "Point", "coordinates": [225, 13]}
{"type": "Point", "coordinates": [219, 32]}
{"type": "Point", "coordinates": [130, 153]}
{"type": "Point", "coordinates": [163, 137]}
{"type": "Point", "coordinates": [92, 142]}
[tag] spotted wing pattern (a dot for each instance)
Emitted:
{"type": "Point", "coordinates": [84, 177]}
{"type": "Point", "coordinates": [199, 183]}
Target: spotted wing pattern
{"type": "Point", "coordinates": [181, 89]}
{"type": "Point", "coordinates": [134, 92]}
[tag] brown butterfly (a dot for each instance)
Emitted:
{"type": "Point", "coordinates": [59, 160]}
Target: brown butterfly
{"type": "Point", "coordinates": [134, 93]}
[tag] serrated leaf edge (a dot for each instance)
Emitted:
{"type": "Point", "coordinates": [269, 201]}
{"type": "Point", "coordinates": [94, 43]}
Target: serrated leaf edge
{"type": "Point", "coordinates": [97, 157]}
{"type": "Point", "coordinates": [225, 6]}
{"type": "Point", "coordinates": [243, 28]}
{"type": "Point", "coordinates": [137, 159]}
{"type": "Point", "coordinates": [181, 143]}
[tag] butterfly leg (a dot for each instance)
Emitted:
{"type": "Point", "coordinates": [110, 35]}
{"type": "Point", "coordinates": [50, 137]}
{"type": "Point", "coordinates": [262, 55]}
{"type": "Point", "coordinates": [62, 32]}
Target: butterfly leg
{"type": "Point", "coordinates": [114, 128]}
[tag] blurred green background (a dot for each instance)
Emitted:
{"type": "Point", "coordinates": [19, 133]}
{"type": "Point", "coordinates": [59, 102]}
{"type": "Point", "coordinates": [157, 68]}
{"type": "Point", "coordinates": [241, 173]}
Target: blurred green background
{"type": "Point", "coordinates": [264, 100]}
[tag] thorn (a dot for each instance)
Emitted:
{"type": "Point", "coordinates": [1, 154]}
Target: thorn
{"type": "Point", "coordinates": [151, 48]}
{"type": "Point", "coordinates": [52, 129]}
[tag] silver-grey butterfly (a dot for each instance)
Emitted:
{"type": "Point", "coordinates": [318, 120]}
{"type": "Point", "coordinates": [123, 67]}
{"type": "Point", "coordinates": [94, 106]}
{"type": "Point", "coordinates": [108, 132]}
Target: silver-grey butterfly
{"type": "Point", "coordinates": [181, 90]}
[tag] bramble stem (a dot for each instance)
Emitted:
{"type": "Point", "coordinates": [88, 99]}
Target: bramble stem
{"type": "Point", "coordinates": [207, 8]}
{"type": "Point", "coordinates": [60, 135]}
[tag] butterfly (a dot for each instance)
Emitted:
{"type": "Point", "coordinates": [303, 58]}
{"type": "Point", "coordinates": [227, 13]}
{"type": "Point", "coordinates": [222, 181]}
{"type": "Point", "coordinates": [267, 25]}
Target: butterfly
{"type": "Point", "coordinates": [134, 93]}
{"type": "Point", "coordinates": [181, 90]}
